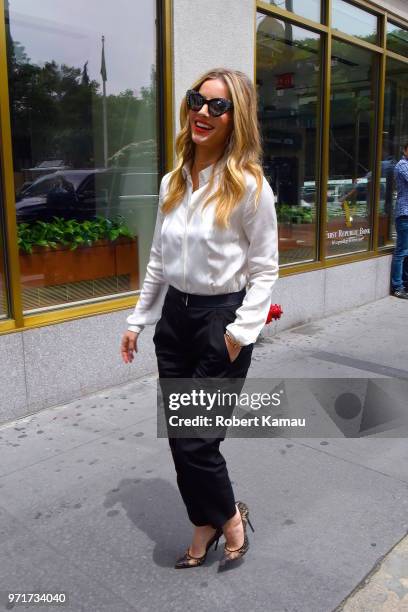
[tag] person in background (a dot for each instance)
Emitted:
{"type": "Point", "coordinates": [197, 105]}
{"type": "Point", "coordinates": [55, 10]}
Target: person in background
{"type": "Point", "coordinates": [399, 264]}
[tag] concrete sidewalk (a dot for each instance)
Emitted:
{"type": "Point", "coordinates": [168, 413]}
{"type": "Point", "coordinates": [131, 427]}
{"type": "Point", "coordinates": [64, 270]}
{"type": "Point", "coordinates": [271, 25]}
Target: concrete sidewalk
{"type": "Point", "coordinates": [89, 503]}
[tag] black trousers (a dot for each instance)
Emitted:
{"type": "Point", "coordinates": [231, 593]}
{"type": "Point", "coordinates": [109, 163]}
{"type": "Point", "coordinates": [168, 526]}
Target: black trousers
{"type": "Point", "coordinates": [189, 343]}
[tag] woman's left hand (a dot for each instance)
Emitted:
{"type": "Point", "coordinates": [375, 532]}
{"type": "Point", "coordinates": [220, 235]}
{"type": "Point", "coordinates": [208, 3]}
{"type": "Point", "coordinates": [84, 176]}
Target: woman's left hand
{"type": "Point", "coordinates": [233, 351]}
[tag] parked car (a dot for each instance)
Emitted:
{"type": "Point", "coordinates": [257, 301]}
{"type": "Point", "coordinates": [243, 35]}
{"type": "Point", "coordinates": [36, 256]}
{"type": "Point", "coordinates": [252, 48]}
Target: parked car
{"type": "Point", "coordinates": [71, 194]}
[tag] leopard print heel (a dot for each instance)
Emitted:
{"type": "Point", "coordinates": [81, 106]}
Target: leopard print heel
{"type": "Point", "coordinates": [228, 560]}
{"type": "Point", "coordinates": [187, 560]}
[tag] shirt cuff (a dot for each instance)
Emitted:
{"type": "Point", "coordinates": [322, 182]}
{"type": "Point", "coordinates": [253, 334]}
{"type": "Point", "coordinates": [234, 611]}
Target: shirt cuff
{"type": "Point", "coordinates": [135, 328]}
{"type": "Point", "coordinates": [243, 337]}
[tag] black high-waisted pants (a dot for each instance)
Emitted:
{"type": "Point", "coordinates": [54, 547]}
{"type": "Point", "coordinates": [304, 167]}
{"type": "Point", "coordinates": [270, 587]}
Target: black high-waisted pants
{"type": "Point", "coordinates": [189, 343]}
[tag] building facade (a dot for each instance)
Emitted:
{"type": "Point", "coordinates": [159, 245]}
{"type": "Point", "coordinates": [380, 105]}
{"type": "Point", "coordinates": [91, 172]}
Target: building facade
{"type": "Point", "coordinates": [89, 103]}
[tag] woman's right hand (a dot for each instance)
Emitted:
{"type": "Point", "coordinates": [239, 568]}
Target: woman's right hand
{"type": "Point", "coordinates": [128, 346]}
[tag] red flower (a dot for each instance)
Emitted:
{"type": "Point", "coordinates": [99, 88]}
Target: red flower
{"type": "Point", "coordinates": [275, 312]}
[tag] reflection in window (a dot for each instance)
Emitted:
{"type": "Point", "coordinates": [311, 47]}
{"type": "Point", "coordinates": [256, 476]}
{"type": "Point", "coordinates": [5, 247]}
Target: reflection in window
{"type": "Point", "coordinates": [288, 76]}
{"type": "Point", "coordinates": [397, 39]}
{"type": "Point", "coordinates": [349, 200]}
{"type": "Point", "coordinates": [84, 140]}
{"type": "Point", "coordinates": [355, 21]}
{"type": "Point", "coordinates": [306, 8]}
{"type": "Point", "coordinates": [395, 134]}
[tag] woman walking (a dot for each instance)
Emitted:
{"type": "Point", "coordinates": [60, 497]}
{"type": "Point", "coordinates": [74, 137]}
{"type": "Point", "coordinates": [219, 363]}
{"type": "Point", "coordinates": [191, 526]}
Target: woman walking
{"type": "Point", "coordinates": [213, 263]}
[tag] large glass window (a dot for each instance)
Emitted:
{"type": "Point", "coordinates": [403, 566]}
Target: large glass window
{"type": "Point", "coordinates": [355, 21]}
{"type": "Point", "coordinates": [395, 135]}
{"type": "Point", "coordinates": [397, 39]}
{"type": "Point", "coordinates": [352, 149]}
{"type": "Point", "coordinates": [306, 8]}
{"type": "Point", "coordinates": [83, 99]}
{"type": "Point", "coordinates": [288, 77]}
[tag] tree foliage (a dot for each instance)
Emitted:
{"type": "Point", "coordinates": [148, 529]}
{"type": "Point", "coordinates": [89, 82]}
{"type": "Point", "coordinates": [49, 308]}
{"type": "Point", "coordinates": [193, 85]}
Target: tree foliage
{"type": "Point", "coordinates": [56, 113]}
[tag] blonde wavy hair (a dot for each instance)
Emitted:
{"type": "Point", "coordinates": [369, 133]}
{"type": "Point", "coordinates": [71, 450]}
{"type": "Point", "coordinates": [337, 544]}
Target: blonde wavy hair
{"type": "Point", "coordinates": [242, 150]}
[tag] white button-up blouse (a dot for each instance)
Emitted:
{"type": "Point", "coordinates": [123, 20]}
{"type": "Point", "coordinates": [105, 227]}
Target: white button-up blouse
{"type": "Point", "coordinates": [191, 253]}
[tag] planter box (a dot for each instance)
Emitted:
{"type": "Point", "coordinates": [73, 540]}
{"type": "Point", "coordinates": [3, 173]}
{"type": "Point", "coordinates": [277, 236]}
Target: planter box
{"type": "Point", "coordinates": [285, 230]}
{"type": "Point", "coordinates": [292, 236]}
{"type": "Point", "coordinates": [46, 267]}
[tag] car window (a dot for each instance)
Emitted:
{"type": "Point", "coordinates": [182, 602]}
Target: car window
{"type": "Point", "coordinates": [39, 187]}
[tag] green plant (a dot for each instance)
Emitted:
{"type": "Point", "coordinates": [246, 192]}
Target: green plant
{"type": "Point", "coordinates": [294, 214]}
{"type": "Point", "coordinates": [70, 233]}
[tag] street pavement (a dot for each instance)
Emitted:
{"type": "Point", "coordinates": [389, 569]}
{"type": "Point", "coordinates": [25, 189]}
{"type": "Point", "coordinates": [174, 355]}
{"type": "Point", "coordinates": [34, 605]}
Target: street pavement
{"type": "Point", "coordinates": [89, 504]}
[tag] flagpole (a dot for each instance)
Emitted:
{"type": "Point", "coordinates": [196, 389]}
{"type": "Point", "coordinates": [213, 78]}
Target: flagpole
{"type": "Point", "coordinates": [104, 111]}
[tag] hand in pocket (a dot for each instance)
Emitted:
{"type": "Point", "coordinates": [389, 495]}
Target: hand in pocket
{"type": "Point", "coordinates": [233, 351]}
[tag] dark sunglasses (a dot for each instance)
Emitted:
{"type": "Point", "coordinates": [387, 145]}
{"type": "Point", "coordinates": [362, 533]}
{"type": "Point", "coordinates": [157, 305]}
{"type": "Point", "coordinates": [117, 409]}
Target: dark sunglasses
{"type": "Point", "coordinates": [216, 106]}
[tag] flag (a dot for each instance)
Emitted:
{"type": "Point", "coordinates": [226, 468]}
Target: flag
{"type": "Point", "coordinates": [85, 76]}
{"type": "Point", "coordinates": [103, 64]}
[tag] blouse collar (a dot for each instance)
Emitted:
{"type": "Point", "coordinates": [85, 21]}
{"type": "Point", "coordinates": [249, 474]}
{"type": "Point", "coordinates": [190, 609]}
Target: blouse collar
{"type": "Point", "coordinates": [203, 176]}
